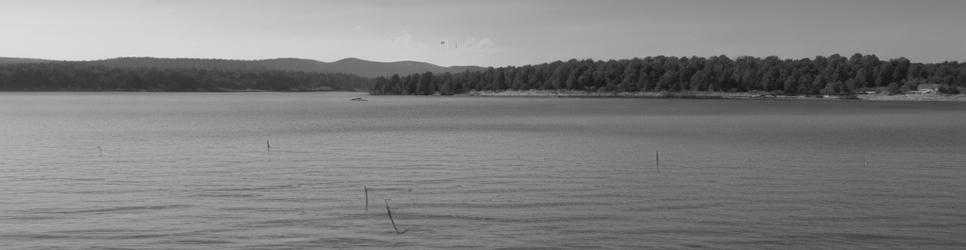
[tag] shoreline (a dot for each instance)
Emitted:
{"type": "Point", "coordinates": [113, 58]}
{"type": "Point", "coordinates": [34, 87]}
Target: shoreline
{"type": "Point", "coordinates": [586, 94]}
{"type": "Point", "coordinates": [713, 95]}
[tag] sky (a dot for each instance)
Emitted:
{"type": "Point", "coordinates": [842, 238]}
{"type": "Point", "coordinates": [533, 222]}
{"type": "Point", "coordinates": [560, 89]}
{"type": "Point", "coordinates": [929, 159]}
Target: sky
{"type": "Point", "coordinates": [482, 32]}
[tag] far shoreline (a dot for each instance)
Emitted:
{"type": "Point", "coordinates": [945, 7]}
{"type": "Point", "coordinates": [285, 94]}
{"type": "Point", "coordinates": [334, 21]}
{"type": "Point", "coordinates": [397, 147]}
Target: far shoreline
{"type": "Point", "coordinates": [714, 95]}
{"type": "Point", "coordinates": [707, 95]}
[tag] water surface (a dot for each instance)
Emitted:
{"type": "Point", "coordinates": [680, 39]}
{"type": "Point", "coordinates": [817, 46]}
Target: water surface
{"type": "Point", "coordinates": [192, 171]}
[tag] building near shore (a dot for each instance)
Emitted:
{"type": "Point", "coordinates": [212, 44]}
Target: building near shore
{"type": "Point", "coordinates": [927, 88]}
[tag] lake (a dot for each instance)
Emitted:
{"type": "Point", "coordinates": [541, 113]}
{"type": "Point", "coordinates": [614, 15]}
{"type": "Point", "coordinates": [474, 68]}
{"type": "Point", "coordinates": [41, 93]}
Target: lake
{"type": "Point", "coordinates": [194, 171]}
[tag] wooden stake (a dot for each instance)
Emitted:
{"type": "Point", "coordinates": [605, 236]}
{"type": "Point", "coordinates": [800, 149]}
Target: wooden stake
{"type": "Point", "coordinates": [389, 212]}
{"type": "Point", "coordinates": [268, 146]}
{"type": "Point", "coordinates": [366, 189]}
{"type": "Point", "coordinates": [657, 160]}
{"type": "Point", "coordinates": [100, 151]}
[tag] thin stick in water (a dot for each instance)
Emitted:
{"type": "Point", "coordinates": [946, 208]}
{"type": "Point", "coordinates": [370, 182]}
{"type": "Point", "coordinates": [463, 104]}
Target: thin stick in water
{"type": "Point", "coordinates": [389, 212]}
{"type": "Point", "coordinates": [366, 189]}
{"type": "Point", "coordinates": [100, 151]}
{"type": "Point", "coordinates": [657, 161]}
{"type": "Point", "coordinates": [268, 146]}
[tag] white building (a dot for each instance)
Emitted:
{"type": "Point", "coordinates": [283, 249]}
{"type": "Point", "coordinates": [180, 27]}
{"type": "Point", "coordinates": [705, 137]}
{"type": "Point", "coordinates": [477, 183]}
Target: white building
{"type": "Point", "coordinates": [928, 88]}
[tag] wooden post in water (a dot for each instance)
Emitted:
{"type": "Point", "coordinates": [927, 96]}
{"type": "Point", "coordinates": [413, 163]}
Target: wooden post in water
{"type": "Point", "coordinates": [366, 189]}
{"type": "Point", "coordinates": [657, 161]}
{"type": "Point", "coordinates": [100, 151]}
{"type": "Point", "coordinates": [268, 146]}
{"type": "Point", "coordinates": [389, 212]}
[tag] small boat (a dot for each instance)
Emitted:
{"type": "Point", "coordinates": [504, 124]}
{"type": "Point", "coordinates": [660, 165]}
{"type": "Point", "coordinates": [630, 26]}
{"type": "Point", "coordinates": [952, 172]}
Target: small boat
{"type": "Point", "coordinates": [358, 99]}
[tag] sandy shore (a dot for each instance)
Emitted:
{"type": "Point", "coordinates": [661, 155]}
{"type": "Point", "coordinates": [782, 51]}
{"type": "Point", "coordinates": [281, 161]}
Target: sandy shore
{"type": "Point", "coordinates": [711, 95]}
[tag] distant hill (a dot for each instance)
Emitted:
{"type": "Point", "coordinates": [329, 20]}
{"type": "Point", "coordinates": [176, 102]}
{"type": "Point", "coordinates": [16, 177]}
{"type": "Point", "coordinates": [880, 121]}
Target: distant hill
{"type": "Point", "coordinates": [14, 60]}
{"type": "Point", "coordinates": [33, 75]}
{"type": "Point", "coordinates": [353, 66]}
{"type": "Point", "coordinates": [189, 74]}
{"type": "Point", "coordinates": [372, 69]}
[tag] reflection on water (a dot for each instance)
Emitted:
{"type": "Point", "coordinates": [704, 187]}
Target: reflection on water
{"type": "Point", "coordinates": [191, 170]}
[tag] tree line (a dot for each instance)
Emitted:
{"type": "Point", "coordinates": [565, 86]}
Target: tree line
{"type": "Point", "coordinates": [78, 76]}
{"type": "Point", "coordinates": [832, 75]}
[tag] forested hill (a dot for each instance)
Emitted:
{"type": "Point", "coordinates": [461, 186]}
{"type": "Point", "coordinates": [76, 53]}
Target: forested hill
{"type": "Point", "coordinates": [14, 60]}
{"type": "Point", "coordinates": [185, 74]}
{"type": "Point", "coordinates": [374, 69]}
{"type": "Point", "coordinates": [353, 66]}
{"type": "Point", "coordinates": [80, 76]}
{"type": "Point", "coordinates": [834, 74]}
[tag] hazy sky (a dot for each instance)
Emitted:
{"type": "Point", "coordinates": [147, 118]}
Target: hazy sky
{"type": "Point", "coordinates": [488, 33]}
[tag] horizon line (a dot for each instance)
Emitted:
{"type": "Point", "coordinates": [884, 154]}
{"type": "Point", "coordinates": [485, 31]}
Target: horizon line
{"type": "Point", "coordinates": [508, 65]}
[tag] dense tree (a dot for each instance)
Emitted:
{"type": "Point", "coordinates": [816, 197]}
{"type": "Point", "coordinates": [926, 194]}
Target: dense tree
{"type": "Point", "coordinates": [831, 75]}
{"type": "Point", "coordinates": [67, 76]}
{"type": "Point", "coordinates": [834, 74]}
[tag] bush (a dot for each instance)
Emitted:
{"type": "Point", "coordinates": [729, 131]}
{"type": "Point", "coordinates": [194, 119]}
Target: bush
{"type": "Point", "coordinates": [894, 89]}
{"type": "Point", "coordinates": [949, 90]}
{"type": "Point", "coordinates": [835, 88]}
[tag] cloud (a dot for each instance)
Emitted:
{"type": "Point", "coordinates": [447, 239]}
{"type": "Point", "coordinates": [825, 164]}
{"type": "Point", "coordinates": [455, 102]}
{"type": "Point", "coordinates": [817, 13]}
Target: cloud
{"type": "Point", "coordinates": [454, 50]}
{"type": "Point", "coordinates": [402, 40]}
{"type": "Point", "coordinates": [406, 40]}
{"type": "Point", "coordinates": [484, 43]}
{"type": "Point", "coordinates": [472, 43]}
